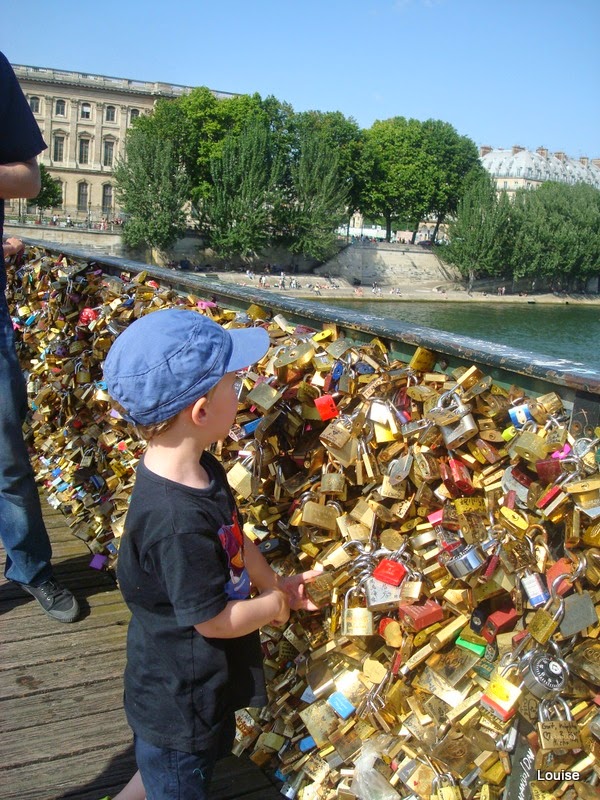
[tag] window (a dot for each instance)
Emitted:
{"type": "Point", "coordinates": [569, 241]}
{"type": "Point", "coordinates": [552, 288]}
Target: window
{"type": "Point", "coordinates": [108, 154]}
{"type": "Point", "coordinates": [134, 114]}
{"type": "Point", "coordinates": [86, 111]}
{"type": "Point", "coordinates": [107, 198]}
{"type": "Point", "coordinates": [84, 151]}
{"type": "Point", "coordinates": [58, 148]}
{"type": "Point", "coordinates": [60, 108]}
{"type": "Point", "coordinates": [82, 197]}
{"type": "Point", "coordinates": [111, 113]}
{"type": "Point", "coordinates": [62, 191]}
{"type": "Point", "coordinates": [34, 104]}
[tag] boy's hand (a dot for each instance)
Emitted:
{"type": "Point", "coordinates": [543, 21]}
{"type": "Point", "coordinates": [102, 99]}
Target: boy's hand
{"type": "Point", "coordinates": [293, 586]}
{"type": "Point", "coordinates": [282, 612]}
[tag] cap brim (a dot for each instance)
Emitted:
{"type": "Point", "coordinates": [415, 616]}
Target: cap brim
{"type": "Point", "coordinates": [249, 346]}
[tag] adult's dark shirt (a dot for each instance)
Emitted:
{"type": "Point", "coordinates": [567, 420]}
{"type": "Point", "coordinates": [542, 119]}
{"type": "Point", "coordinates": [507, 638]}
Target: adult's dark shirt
{"type": "Point", "coordinates": [20, 136]}
{"type": "Point", "coordinates": [180, 562]}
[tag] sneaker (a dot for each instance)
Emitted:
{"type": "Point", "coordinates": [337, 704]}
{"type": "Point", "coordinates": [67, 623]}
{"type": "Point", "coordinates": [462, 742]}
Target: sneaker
{"type": "Point", "coordinates": [56, 600]}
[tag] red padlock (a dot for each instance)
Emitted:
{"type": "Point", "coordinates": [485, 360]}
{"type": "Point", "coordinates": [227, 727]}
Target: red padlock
{"type": "Point", "coordinates": [87, 315]}
{"type": "Point", "coordinates": [326, 407]}
{"type": "Point", "coordinates": [390, 572]}
{"type": "Point", "coordinates": [503, 619]}
{"type": "Point", "coordinates": [419, 616]}
{"type": "Point", "coordinates": [560, 567]}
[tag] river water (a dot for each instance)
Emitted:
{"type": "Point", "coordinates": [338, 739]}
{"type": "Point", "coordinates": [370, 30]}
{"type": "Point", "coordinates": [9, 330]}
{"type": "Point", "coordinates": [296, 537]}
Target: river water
{"type": "Point", "coordinates": [563, 331]}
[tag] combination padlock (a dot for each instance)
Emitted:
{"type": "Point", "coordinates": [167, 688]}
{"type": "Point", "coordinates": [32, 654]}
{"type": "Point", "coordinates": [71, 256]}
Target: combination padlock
{"type": "Point", "coordinates": [544, 675]}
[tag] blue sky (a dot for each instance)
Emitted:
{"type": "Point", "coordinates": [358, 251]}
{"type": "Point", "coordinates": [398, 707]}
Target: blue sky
{"type": "Point", "coordinates": [503, 72]}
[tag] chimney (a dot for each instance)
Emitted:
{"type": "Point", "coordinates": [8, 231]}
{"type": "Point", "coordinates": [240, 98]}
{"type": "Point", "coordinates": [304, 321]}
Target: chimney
{"type": "Point", "coordinates": [516, 148]}
{"type": "Point", "coordinates": [484, 150]}
{"type": "Point", "coordinates": [560, 155]}
{"type": "Point", "coordinates": [542, 151]}
{"type": "Point", "coordinates": [584, 160]}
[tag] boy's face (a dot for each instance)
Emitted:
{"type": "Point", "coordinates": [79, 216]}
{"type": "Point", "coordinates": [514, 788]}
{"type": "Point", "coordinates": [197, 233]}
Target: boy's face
{"type": "Point", "coordinates": [222, 407]}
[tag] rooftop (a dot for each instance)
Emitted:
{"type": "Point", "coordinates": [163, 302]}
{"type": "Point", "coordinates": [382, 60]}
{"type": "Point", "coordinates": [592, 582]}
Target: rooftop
{"type": "Point", "coordinates": [540, 165]}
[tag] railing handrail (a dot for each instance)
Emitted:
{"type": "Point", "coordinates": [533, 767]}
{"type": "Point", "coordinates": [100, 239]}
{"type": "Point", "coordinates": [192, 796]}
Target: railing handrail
{"type": "Point", "coordinates": [571, 376]}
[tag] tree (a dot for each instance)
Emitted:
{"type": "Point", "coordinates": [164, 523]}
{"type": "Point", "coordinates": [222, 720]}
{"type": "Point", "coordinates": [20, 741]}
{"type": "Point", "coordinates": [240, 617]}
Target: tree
{"type": "Point", "coordinates": [451, 161]}
{"type": "Point", "coordinates": [50, 194]}
{"type": "Point", "coordinates": [153, 188]}
{"type": "Point", "coordinates": [394, 158]}
{"type": "Point", "coordinates": [343, 135]}
{"type": "Point", "coordinates": [319, 198]}
{"type": "Point", "coordinates": [246, 182]}
{"type": "Point", "coordinates": [481, 235]}
{"type": "Point", "coordinates": [557, 233]}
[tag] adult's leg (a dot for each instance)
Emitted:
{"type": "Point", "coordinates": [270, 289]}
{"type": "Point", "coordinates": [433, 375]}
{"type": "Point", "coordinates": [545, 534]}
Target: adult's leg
{"type": "Point", "coordinates": [22, 529]}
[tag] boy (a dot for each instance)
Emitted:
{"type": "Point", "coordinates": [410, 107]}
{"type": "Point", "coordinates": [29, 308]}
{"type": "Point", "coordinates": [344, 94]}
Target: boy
{"type": "Point", "coordinates": [185, 569]}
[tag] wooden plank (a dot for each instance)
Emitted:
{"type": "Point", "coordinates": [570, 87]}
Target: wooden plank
{"type": "Point", "coordinates": [83, 734]}
{"type": "Point", "coordinates": [78, 643]}
{"type": "Point", "coordinates": [85, 776]}
{"type": "Point", "coordinates": [107, 614]}
{"type": "Point", "coordinates": [20, 681]}
{"type": "Point", "coordinates": [65, 733]}
{"type": "Point", "coordinates": [20, 713]}
{"type": "Point", "coordinates": [111, 769]}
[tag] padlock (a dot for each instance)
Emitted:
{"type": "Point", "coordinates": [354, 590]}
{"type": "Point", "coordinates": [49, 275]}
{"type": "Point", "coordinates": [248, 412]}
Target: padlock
{"type": "Point", "coordinates": [544, 623]}
{"type": "Point", "coordinates": [527, 444]}
{"type": "Point", "coordinates": [446, 787]}
{"type": "Point", "coordinates": [501, 696]}
{"type": "Point", "coordinates": [239, 477]}
{"type": "Point", "coordinates": [457, 433]}
{"type": "Point", "coordinates": [356, 620]}
{"type": "Point", "coordinates": [463, 561]}
{"type": "Point", "coordinates": [545, 675]}
{"type": "Point", "coordinates": [333, 480]}
{"type": "Point", "coordinates": [498, 621]}
{"type": "Point", "coordinates": [561, 734]}
{"type": "Point", "coordinates": [411, 587]}
{"type": "Point", "coordinates": [535, 588]}
{"type": "Point", "coordinates": [390, 571]}
{"type": "Point", "coordinates": [416, 617]}
{"type": "Point", "coordinates": [381, 596]}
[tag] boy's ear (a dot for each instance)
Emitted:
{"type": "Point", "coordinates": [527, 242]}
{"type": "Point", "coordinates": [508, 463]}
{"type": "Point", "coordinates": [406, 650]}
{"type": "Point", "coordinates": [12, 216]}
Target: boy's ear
{"type": "Point", "coordinates": [198, 411]}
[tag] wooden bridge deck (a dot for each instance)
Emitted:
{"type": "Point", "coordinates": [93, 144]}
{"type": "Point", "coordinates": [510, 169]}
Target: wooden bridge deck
{"type": "Point", "coordinates": [63, 733]}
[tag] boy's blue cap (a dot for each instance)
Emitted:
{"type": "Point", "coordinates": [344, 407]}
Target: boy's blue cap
{"type": "Point", "coordinates": [166, 360]}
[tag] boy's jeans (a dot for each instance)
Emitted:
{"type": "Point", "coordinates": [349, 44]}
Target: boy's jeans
{"type": "Point", "coordinates": [22, 528]}
{"type": "Point", "coordinates": [173, 775]}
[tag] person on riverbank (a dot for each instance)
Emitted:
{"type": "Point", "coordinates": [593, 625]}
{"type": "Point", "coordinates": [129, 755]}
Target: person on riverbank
{"type": "Point", "coordinates": [185, 568]}
{"type": "Point", "coordinates": [22, 529]}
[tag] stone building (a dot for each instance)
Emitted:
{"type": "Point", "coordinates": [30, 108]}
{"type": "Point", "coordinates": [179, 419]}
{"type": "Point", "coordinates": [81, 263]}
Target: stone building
{"type": "Point", "coordinates": [519, 168]}
{"type": "Point", "coordinates": [84, 121]}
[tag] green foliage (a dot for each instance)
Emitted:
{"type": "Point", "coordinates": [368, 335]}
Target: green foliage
{"type": "Point", "coordinates": [245, 190]}
{"type": "Point", "coordinates": [551, 233]}
{"type": "Point", "coordinates": [153, 188]}
{"type": "Point", "coordinates": [481, 234]}
{"type": "Point", "coordinates": [318, 199]}
{"type": "Point", "coordinates": [343, 136]}
{"type": "Point", "coordinates": [415, 169]}
{"type": "Point", "coordinates": [557, 233]}
{"type": "Point", "coordinates": [50, 194]}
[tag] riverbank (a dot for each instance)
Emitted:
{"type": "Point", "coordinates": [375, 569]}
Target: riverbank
{"type": "Point", "coordinates": [311, 286]}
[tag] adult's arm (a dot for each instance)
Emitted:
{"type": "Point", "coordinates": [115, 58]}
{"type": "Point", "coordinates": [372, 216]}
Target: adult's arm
{"type": "Point", "coordinates": [20, 179]}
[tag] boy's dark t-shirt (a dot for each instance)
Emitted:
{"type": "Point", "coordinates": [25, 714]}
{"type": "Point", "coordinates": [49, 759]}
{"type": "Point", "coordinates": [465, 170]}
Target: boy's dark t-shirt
{"type": "Point", "coordinates": [180, 562]}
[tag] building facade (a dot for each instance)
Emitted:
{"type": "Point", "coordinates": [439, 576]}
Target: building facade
{"type": "Point", "coordinates": [84, 121]}
{"type": "Point", "coordinates": [519, 168]}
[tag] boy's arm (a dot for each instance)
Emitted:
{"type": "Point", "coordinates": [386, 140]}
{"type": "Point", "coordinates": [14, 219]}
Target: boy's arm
{"type": "Point", "coordinates": [240, 617]}
{"type": "Point", "coordinates": [264, 578]}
